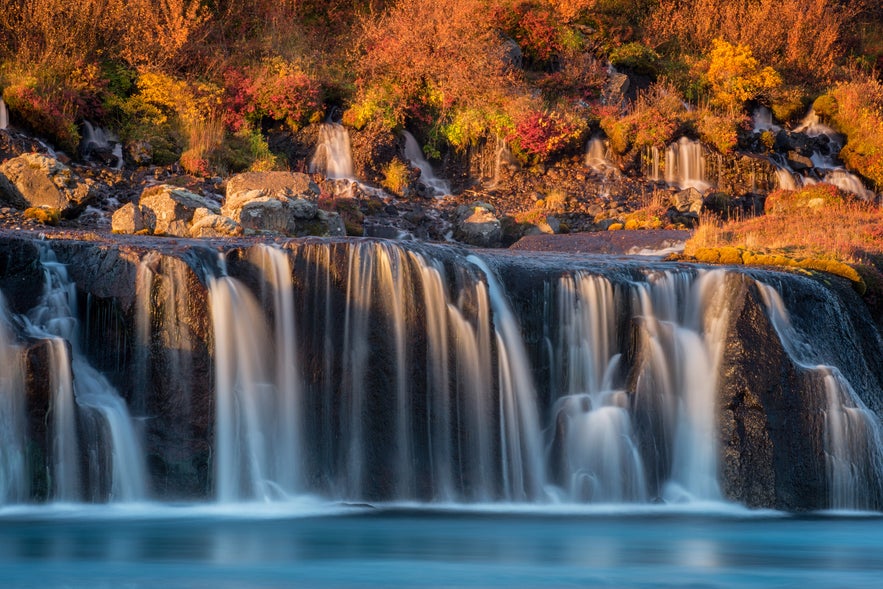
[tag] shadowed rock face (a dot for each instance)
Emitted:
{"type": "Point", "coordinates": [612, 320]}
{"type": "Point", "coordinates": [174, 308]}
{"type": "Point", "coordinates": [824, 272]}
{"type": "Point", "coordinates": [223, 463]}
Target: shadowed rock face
{"type": "Point", "coordinates": [770, 410]}
{"type": "Point", "coordinates": [766, 416]}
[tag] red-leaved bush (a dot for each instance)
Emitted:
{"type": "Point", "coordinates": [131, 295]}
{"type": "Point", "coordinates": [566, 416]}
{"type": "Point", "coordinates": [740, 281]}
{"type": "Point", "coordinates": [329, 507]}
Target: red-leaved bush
{"type": "Point", "coordinates": [275, 90]}
{"type": "Point", "coordinates": [542, 134]}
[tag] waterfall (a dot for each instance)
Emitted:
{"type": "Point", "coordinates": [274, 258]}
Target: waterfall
{"type": "Point", "coordinates": [849, 183]}
{"type": "Point", "coordinates": [77, 386]}
{"type": "Point", "coordinates": [787, 179]}
{"type": "Point", "coordinates": [96, 139]}
{"type": "Point", "coordinates": [4, 115]}
{"type": "Point", "coordinates": [600, 456]}
{"type": "Point", "coordinates": [681, 334]}
{"type": "Point", "coordinates": [596, 156]}
{"type": "Point", "coordinates": [333, 157]}
{"type": "Point", "coordinates": [414, 154]}
{"type": "Point", "coordinates": [520, 439]}
{"type": "Point", "coordinates": [374, 371]}
{"type": "Point", "coordinates": [763, 120]}
{"type": "Point", "coordinates": [685, 165]}
{"type": "Point", "coordinates": [853, 441]}
{"type": "Point", "coordinates": [13, 470]}
{"type": "Point", "coordinates": [812, 126]}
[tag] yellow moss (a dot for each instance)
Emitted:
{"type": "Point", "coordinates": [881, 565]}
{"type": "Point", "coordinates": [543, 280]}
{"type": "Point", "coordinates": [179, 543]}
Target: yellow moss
{"type": "Point", "coordinates": [615, 227]}
{"type": "Point", "coordinates": [730, 255]}
{"type": "Point", "coordinates": [43, 215]}
{"type": "Point", "coordinates": [631, 224]}
{"type": "Point", "coordinates": [707, 255]}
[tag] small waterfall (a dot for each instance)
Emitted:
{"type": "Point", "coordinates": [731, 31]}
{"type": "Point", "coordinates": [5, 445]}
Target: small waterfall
{"type": "Point", "coordinates": [600, 456]}
{"type": "Point", "coordinates": [4, 115]}
{"type": "Point", "coordinates": [413, 153]}
{"type": "Point", "coordinates": [849, 183]}
{"type": "Point", "coordinates": [763, 120]}
{"type": "Point", "coordinates": [811, 125]}
{"type": "Point", "coordinates": [654, 172]}
{"type": "Point", "coordinates": [97, 141]}
{"type": "Point", "coordinates": [13, 470]}
{"type": "Point", "coordinates": [787, 179]}
{"type": "Point", "coordinates": [503, 157]}
{"type": "Point", "coordinates": [853, 440]}
{"type": "Point", "coordinates": [76, 386]}
{"type": "Point", "coordinates": [596, 156]}
{"type": "Point", "coordinates": [685, 165]}
{"type": "Point", "coordinates": [333, 157]}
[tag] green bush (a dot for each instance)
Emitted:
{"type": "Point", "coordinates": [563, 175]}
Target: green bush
{"type": "Point", "coordinates": [636, 57]}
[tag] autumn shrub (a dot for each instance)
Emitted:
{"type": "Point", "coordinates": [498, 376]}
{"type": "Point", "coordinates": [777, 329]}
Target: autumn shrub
{"type": "Point", "coordinates": [535, 26]}
{"type": "Point", "coordinates": [396, 176]}
{"type": "Point", "coordinates": [43, 215]}
{"type": "Point", "coordinates": [541, 135]}
{"type": "Point", "coordinates": [276, 90]}
{"type": "Point", "coordinates": [825, 106]}
{"type": "Point", "coordinates": [787, 103]}
{"type": "Point", "coordinates": [802, 38]}
{"type": "Point", "coordinates": [581, 76]}
{"type": "Point", "coordinates": [435, 58]}
{"type": "Point", "coordinates": [53, 103]}
{"type": "Point", "coordinates": [859, 115]}
{"type": "Point", "coordinates": [736, 76]}
{"type": "Point", "coordinates": [721, 130]}
{"type": "Point", "coordinates": [636, 57]}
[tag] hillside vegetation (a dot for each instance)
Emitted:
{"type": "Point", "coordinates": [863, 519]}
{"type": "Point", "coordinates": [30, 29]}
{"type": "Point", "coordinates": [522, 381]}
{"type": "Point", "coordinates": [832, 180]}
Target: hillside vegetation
{"type": "Point", "coordinates": [202, 82]}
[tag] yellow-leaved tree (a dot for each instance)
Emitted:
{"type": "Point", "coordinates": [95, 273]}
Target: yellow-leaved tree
{"type": "Point", "coordinates": [736, 76]}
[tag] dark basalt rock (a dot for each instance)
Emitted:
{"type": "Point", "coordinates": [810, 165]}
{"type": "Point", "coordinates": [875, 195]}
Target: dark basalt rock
{"type": "Point", "coordinates": [766, 417]}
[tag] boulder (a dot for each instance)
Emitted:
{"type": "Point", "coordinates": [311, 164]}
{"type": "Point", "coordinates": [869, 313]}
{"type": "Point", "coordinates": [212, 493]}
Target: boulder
{"type": "Point", "coordinates": [688, 200]}
{"type": "Point", "coordinates": [127, 219]}
{"type": "Point", "coordinates": [241, 187]}
{"type": "Point", "coordinates": [35, 179]}
{"type": "Point", "coordinates": [798, 162]}
{"type": "Point", "coordinates": [616, 89]}
{"type": "Point", "coordinates": [208, 224]}
{"type": "Point", "coordinates": [477, 225]}
{"type": "Point", "coordinates": [279, 202]}
{"type": "Point", "coordinates": [169, 210]}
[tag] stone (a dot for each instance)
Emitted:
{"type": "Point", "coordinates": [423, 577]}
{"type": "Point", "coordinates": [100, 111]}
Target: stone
{"type": "Point", "coordinates": [127, 219]}
{"type": "Point", "coordinates": [688, 200]}
{"type": "Point", "coordinates": [241, 187]}
{"type": "Point", "coordinates": [798, 161]}
{"type": "Point", "coordinates": [480, 228]}
{"type": "Point", "coordinates": [616, 88]}
{"type": "Point", "coordinates": [169, 210]}
{"type": "Point", "coordinates": [34, 179]}
{"type": "Point", "coordinates": [209, 224]}
{"type": "Point", "coordinates": [278, 202]}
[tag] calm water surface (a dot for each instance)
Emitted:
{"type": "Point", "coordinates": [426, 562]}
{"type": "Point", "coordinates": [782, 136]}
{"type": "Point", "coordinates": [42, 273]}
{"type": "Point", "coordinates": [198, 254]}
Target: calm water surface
{"type": "Point", "coordinates": [403, 547]}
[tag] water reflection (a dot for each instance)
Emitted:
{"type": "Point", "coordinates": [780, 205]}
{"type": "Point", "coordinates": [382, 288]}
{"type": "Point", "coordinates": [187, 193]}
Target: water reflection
{"type": "Point", "coordinates": [404, 549]}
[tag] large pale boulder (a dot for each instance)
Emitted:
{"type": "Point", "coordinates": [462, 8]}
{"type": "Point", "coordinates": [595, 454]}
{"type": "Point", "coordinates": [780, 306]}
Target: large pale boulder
{"type": "Point", "coordinates": [278, 202]}
{"type": "Point", "coordinates": [127, 219]}
{"type": "Point", "coordinates": [34, 179]}
{"type": "Point", "coordinates": [170, 210]}
{"type": "Point", "coordinates": [241, 187]}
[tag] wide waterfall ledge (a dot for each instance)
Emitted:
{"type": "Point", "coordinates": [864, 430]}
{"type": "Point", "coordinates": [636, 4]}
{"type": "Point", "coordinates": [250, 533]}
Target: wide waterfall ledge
{"type": "Point", "coordinates": [351, 371]}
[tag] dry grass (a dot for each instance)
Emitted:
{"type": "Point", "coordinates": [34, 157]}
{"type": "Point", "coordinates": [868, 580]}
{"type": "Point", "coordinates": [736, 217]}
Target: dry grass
{"type": "Point", "coordinates": [848, 232]}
